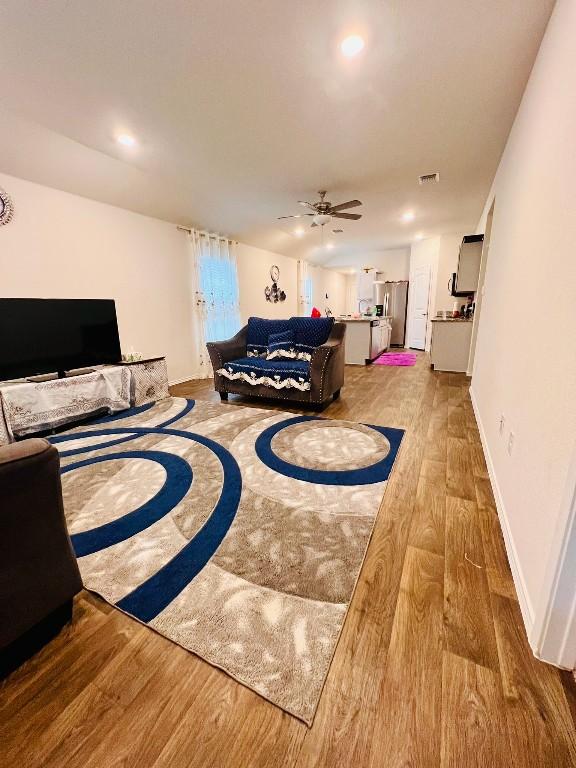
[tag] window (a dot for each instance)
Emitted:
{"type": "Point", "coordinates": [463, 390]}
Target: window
{"type": "Point", "coordinates": [219, 287]}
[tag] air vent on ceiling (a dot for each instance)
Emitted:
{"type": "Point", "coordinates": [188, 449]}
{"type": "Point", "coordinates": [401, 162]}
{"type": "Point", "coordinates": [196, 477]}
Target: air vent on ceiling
{"type": "Point", "coordinates": [429, 178]}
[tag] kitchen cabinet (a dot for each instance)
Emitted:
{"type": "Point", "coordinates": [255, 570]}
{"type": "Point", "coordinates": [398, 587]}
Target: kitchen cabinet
{"type": "Point", "coordinates": [450, 346]}
{"type": "Point", "coordinates": [382, 334]}
{"type": "Point", "coordinates": [465, 280]}
{"type": "Point", "coordinates": [366, 286]}
{"type": "Point", "coordinates": [375, 342]}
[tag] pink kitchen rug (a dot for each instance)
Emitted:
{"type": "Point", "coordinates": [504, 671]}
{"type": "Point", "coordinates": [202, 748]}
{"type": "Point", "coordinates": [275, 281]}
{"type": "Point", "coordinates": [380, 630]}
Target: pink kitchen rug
{"type": "Point", "coordinates": [396, 358]}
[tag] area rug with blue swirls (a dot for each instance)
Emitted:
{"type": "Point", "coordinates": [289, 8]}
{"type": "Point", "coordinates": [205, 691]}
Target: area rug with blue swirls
{"type": "Point", "coordinates": [238, 533]}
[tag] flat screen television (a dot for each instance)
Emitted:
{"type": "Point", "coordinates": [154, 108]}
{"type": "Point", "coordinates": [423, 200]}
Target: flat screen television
{"type": "Point", "coordinates": [40, 336]}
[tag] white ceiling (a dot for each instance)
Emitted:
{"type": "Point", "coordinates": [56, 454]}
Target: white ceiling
{"type": "Point", "coordinates": [242, 108]}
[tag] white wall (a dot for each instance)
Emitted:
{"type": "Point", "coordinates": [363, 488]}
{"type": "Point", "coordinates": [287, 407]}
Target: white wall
{"type": "Point", "coordinates": [328, 290]}
{"type": "Point", "coordinates": [351, 294]}
{"type": "Point", "coordinates": [525, 364]}
{"type": "Point", "coordinates": [447, 264]}
{"type": "Point", "coordinates": [254, 275]}
{"type": "Point", "coordinates": [64, 246]}
{"type": "Point", "coordinates": [394, 264]}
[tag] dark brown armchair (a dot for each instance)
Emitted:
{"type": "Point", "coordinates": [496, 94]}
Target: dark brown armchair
{"type": "Point", "coordinates": [324, 372]}
{"type": "Point", "coordinates": [39, 575]}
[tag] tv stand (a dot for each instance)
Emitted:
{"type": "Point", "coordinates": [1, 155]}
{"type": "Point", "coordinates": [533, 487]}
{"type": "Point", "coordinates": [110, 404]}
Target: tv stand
{"type": "Point", "coordinates": [43, 403]}
{"type": "Point", "coordinates": [29, 407]}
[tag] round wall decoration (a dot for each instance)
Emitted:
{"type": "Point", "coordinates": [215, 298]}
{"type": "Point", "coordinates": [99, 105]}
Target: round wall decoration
{"type": "Point", "coordinates": [272, 292]}
{"type": "Point", "coordinates": [6, 207]}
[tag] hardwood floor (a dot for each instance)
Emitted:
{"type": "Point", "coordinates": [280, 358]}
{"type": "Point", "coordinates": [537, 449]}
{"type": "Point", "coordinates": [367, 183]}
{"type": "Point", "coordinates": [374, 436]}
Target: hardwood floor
{"type": "Point", "coordinates": [433, 668]}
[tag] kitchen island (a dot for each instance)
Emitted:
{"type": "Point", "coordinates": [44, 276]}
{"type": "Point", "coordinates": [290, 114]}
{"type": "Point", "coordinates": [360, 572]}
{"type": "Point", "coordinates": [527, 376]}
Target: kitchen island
{"type": "Point", "coordinates": [366, 338]}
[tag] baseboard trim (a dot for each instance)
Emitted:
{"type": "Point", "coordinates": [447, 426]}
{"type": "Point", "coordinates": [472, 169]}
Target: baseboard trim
{"type": "Point", "coordinates": [554, 632]}
{"type": "Point", "coordinates": [173, 382]}
{"type": "Point", "coordinates": [525, 603]}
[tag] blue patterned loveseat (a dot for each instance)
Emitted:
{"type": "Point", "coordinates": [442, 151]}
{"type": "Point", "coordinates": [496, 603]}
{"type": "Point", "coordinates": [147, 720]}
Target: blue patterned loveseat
{"type": "Point", "coordinates": [299, 359]}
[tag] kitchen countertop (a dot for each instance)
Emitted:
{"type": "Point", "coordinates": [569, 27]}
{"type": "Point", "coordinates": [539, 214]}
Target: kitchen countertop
{"type": "Point", "coordinates": [452, 320]}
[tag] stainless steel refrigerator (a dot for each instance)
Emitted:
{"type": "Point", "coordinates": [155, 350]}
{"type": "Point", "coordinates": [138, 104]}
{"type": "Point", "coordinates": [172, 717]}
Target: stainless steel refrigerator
{"type": "Point", "coordinates": [393, 296]}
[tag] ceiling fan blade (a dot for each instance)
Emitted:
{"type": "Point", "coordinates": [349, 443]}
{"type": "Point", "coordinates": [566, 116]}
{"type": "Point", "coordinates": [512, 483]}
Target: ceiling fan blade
{"type": "Point", "coordinates": [343, 206]}
{"type": "Point", "coordinates": [354, 216]}
{"type": "Point", "coordinates": [309, 205]}
{"type": "Point", "coordinates": [297, 216]}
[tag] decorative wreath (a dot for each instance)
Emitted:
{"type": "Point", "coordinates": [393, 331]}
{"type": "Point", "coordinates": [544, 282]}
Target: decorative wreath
{"type": "Point", "coordinates": [6, 207]}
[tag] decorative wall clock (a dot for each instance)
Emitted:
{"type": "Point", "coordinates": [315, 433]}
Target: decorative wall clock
{"type": "Point", "coordinates": [6, 207]}
{"type": "Point", "coordinates": [272, 292]}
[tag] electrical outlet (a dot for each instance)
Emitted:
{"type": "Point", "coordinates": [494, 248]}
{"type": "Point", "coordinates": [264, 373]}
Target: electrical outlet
{"type": "Point", "coordinates": [502, 425]}
{"type": "Point", "coordinates": [510, 443]}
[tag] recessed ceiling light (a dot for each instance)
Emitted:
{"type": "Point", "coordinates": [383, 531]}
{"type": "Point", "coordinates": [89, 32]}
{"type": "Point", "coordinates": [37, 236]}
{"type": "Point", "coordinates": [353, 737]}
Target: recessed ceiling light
{"type": "Point", "coordinates": [298, 231]}
{"type": "Point", "coordinates": [418, 236]}
{"type": "Point", "coordinates": [408, 216]}
{"type": "Point", "coordinates": [351, 46]}
{"type": "Point", "coordinates": [329, 246]}
{"type": "Point", "coordinates": [126, 140]}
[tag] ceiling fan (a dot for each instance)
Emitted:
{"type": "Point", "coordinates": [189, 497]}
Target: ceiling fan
{"type": "Point", "coordinates": [324, 211]}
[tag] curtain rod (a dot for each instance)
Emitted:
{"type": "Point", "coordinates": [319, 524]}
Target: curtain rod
{"type": "Point", "coordinates": [205, 234]}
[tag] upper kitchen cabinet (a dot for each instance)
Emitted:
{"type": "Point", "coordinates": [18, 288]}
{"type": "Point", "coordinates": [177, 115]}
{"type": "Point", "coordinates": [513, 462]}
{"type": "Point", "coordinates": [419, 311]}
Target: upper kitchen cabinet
{"type": "Point", "coordinates": [465, 280]}
{"type": "Point", "coordinates": [366, 285]}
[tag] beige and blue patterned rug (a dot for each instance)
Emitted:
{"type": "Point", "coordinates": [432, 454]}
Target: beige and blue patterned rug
{"type": "Point", "coordinates": [238, 533]}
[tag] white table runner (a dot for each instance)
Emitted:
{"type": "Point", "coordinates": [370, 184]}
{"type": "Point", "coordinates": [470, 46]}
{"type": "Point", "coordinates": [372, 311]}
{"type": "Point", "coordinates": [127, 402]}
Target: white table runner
{"type": "Point", "coordinates": [32, 407]}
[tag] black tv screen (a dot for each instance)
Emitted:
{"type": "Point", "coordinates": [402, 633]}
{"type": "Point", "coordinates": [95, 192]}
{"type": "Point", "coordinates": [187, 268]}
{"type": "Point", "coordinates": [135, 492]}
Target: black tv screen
{"type": "Point", "coordinates": [56, 335]}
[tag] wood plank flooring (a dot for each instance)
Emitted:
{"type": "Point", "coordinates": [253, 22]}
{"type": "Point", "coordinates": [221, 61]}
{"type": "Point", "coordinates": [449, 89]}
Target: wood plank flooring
{"type": "Point", "coordinates": [433, 669]}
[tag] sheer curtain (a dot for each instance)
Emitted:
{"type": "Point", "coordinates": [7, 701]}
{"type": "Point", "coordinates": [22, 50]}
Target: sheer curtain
{"type": "Point", "coordinates": [215, 295]}
{"type": "Point", "coordinates": [304, 288]}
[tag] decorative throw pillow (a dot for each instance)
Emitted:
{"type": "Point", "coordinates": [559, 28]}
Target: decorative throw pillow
{"type": "Point", "coordinates": [309, 333]}
{"type": "Point", "coordinates": [259, 329]}
{"type": "Point", "coordinates": [281, 345]}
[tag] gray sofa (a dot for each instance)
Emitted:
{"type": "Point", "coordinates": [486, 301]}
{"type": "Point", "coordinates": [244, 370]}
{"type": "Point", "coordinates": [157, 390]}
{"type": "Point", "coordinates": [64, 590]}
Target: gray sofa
{"type": "Point", "coordinates": [39, 575]}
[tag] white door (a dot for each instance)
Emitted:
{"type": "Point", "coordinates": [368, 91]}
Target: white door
{"type": "Point", "coordinates": [420, 282]}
